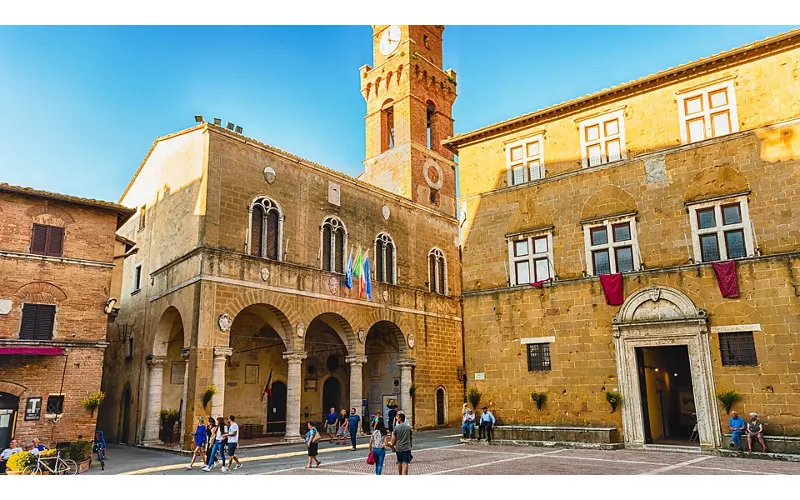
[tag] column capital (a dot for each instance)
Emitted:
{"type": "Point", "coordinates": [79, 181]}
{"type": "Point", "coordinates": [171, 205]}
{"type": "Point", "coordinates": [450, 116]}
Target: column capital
{"type": "Point", "coordinates": [408, 362]}
{"type": "Point", "coordinates": [185, 353]}
{"type": "Point", "coordinates": [222, 351]}
{"type": "Point", "coordinates": [356, 360]}
{"type": "Point", "coordinates": [157, 361]}
{"type": "Point", "coordinates": [295, 356]}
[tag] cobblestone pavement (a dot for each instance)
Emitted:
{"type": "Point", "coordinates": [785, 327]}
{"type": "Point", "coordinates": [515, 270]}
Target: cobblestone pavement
{"type": "Point", "coordinates": [498, 460]}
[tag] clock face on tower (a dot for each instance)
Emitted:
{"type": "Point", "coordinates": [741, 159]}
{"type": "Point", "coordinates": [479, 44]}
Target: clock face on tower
{"type": "Point", "coordinates": [390, 39]}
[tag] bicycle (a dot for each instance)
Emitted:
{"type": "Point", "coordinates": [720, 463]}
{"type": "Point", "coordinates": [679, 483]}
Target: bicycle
{"type": "Point", "coordinates": [99, 447]}
{"type": "Point", "coordinates": [61, 467]}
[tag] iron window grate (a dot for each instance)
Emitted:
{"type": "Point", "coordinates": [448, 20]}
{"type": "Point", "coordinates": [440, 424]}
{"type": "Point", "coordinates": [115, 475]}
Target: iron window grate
{"type": "Point", "coordinates": [737, 349]}
{"type": "Point", "coordinates": [55, 405]}
{"type": "Point", "coordinates": [538, 357]}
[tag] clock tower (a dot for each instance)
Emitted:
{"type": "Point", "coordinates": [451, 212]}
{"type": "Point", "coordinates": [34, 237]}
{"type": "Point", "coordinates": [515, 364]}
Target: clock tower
{"type": "Point", "coordinates": [409, 112]}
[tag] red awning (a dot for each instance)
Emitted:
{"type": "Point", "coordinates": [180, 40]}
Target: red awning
{"type": "Point", "coordinates": [31, 351]}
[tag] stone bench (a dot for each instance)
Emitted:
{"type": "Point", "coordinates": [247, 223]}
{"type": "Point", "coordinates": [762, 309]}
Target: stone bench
{"type": "Point", "coordinates": [775, 444]}
{"type": "Point", "coordinates": [606, 438]}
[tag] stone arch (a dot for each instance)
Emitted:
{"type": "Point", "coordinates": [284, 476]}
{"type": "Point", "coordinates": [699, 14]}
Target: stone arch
{"type": "Point", "coordinates": [656, 303]}
{"type": "Point", "coordinates": [529, 215]}
{"type": "Point", "coordinates": [606, 201]}
{"type": "Point", "coordinates": [338, 323]}
{"type": "Point", "coordinates": [40, 213]}
{"type": "Point", "coordinates": [440, 406]}
{"type": "Point", "coordinates": [393, 329]}
{"type": "Point", "coordinates": [168, 324]}
{"type": "Point", "coordinates": [12, 388]}
{"type": "Point", "coordinates": [279, 304]}
{"type": "Point", "coordinates": [716, 181]}
{"type": "Point", "coordinates": [388, 79]}
{"type": "Point", "coordinates": [41, 292]}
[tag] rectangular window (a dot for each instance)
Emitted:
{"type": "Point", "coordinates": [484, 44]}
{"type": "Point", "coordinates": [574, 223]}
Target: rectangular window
{"type": "Point", "coordinates": [721, 230]}
{"type": "Point", "coordinates": [142, 215]}
{"type": "Point", "coordinates": [538, 357]}
{"type": "Point", "coordinates": [708, 112]}
{"type": "Point", "coordinates": [525, 160]}
{"type": "Point", "coordinates": [530, 257]}
{"type": "Point", "coordinates": [37, 322]}
{"type": "Point", "coordinates": [47, 240]}
{"type": "Point", "coordinates": [603, 139]}
{"type": "Point", "coordinates": [55, 405]}
{"type": "Point", "coordinates": [737, 349]}
{"type": "Point", "coordinates": [619, 254]}
{"type": "Point", "coordinates": [137, 280]}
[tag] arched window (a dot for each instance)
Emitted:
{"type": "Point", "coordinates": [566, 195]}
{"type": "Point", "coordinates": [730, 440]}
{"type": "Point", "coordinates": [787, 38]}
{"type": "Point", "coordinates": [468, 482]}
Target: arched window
{"type": "Point", "coordinates": [387, 125]}
{"type": "Point", "coordinates": [266, 229]}
{"type": "Point", "coordinates": [334, 242]}
{"type": "Point", "coordinates": [385, 270]}
{"type": "Point", "coordinates": [430, 115]}
{"type": "Point", "coordinates": [437, 272]}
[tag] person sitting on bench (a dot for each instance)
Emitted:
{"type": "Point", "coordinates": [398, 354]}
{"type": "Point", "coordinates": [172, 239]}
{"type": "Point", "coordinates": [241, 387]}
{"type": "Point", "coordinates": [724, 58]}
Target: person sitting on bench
{"type": "Point", "coordinates": [487, 424]}
{"type": "Point", "coordinates": [468, 424]}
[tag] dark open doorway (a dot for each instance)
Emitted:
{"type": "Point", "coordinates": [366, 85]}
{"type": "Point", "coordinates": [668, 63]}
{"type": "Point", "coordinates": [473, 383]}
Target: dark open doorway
{"type": "Point", "coordinates": [331, 395]}
{"type": "Point", "coordinates": [8, 417]}
{"type": "Point", "coordinates": [125, 421]}
{"type": "Point", "coordinates": [276, 409]}
{"type": "Point", "coordinates": [665, 382]}
{"type": "Point", "coordinates": [440, 404]}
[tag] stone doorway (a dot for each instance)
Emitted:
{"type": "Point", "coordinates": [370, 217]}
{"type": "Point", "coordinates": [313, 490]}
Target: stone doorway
{"type": "Point", "coordinates": [665, 384]}
{"type": "Point", "coordinates": [276, 408]}
{"type": "Point", "coordinates": [125, 417]}
{"type": "Point", "coordinates": [8, 417]}
{"type": "Point", "coordinates": [656, 317]}
{"type": "Point", "coordinates": [331, 396]}
{"type": "Point", "coordinates": [440, 406]}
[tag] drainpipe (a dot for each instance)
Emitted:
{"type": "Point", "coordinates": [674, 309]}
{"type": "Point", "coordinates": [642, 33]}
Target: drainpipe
{"type": "Point", "coordinates": [463, 334]}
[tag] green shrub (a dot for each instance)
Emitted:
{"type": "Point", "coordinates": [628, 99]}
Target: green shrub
{"type": "Point", "coordinates": [18, 461]}
{"type": "Point", "coordinates": [539, 398]}
{"type": "Point", "coordinates": [210, 391]}
{"type": "Point", "coordinates": [79, 451]}
{"type": "Point", "coordinates": [474, 397]}
{"type": "Point", "coordinates": [169, 417]}
{"type": "Point", "coordinates": [728, 398]}
{"type": "Point", "coordinates": [614, 399]}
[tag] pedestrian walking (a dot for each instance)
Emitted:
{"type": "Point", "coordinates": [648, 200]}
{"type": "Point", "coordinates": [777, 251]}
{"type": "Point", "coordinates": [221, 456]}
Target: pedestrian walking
{"type": "Point", "coordinates": [219, 446]}
{"type": "Point", "coordinates": [233, 441]}
{"type": "Point", "coordinates": [211, 425]}
{"type": "Point", "coordinates": [401, 444]}
{"type": "Point", "coordinates": [377, 445]}
{"type": "Point", "coordinates": [390, 417]}
{"type": "Point", "coordinates": [200, 440]}
{"type": "Point", "coordinates": [378, 416]}
{"type": "Point", "coordinates": [312, 442]}
{"type": "Point", "coordinates": [331, 421]}
{"type": "Point", "coordinates": [755, 429]}
{"type": "Point", "coordinates": [352, 424]}
{"type": "Point", "coordinates": [342, 427]}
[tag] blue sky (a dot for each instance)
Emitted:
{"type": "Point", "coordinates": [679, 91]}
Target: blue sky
{"type": "Point", "coordinates": [81, 106]}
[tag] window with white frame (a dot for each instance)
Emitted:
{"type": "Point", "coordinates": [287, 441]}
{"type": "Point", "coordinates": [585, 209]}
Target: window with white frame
{"type": "Point", "coordinates": [721, 229]}
{"type": "Point", "coordinates": [437, 272]}
{"type": "Point", "coordinates": [385, 270]}
{"type": "Point", "coordinates": [530, 257]}
{"type": "Point", "coordinates": [707, 112]}
{"type": "Point", "coordinates": [334, 242]}
{"type": "Point", "coordinates": [603, 139]}
{"type": "Point", "coordinates": [525, 160]}
{"type": "Point", "coordinates": [611, 246]}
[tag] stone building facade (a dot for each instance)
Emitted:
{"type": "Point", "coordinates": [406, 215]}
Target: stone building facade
{"type": "Point", "coordinates": [655, 179]}
{"type": "Point", "coordinates": [237, 279]}
{"type": "Point", "coordinates": [56, 260]}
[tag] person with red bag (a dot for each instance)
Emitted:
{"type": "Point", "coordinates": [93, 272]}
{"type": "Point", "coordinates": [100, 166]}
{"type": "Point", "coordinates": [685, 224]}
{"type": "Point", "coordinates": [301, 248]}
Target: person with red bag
{"type": "Point", "coordinates": [377, 446]}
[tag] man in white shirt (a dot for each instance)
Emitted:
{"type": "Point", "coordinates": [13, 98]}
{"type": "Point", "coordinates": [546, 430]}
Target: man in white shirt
{"type": "Point", "coordinates": [6, 454]}
{"type": "Point", "coordinates": [468, 424]}
{"type": "Point", "coordinates": [486, 424]}
{"type": "Point", "coordinates": [233, 440]}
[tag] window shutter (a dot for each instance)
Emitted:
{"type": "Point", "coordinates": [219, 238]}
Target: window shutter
{"type": "Point", "coordinates": [39, 239]}
{"type": "Point", "coordinates": [55, 241]}
{"type": "Point", "coordinates": [256, 230]}
{"type": "Point", "coordinates": [44, 323]}
{"type": "Point", "coordinates": [272, 235]}
{"type": "Point", "coordinates": [340, 250]}
{"type": "Point", "coordinates": [27, 329]}
{"type": "Point", "coordinates": [326, 248]}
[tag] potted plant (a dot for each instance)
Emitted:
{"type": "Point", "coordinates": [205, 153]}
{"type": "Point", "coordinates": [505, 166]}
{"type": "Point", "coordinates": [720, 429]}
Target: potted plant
{"type": "Point", "coordinates": [93, 401]}
{"type": "Point", "coordinates": [18, 461]}
{"type": "Point", "coordinates": [81, 452]}
{"type": "Point", "coordinates": [614, 399]}
{"type": "Point", "coordinates": [728, 398]}
{"type": "Point", "coordinates": [168, 419]}
{"type": "Point", "coordinates": [474, 397]}
{"type": "Point", "coordinates": [210, 391]}
{"type": "Point", "coordinates": [539, 398]}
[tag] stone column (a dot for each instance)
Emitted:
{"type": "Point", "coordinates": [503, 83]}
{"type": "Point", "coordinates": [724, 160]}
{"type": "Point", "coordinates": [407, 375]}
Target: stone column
{"type": "Point", "coordinates": [293, 393]}
{"type": "Point", "coordinates": [356, 377]}
{"type": "Point", "coordinates": [185, 357]}
{"type": "Point", "coordinates": [221, 354]}
{"type": "Point", "coordinates": [152, 424]}
{"type": "Point", "coordinates": [405, 385]}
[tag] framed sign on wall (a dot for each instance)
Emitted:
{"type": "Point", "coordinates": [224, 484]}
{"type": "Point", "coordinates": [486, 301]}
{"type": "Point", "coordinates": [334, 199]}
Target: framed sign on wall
{"type": "Point", "coordinates": [33, 408]}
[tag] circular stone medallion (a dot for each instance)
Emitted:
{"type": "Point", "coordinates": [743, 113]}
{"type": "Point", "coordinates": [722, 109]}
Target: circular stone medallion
{"type": "Point", "coordinates": [269, 175]}
{"type": "Point", "coordinates": [264, 273]}
{"type": "Point", "coordinates": [225, 322]}
{"type": "Point", "coordinates": [333, 284]}
{"type": "Point", "coordinates": [410, 340]}
{"type": "Point", "coordinates": [301, 330]}
{"type": "Point", "coordinates": [433, 174]}
{"type": "Point", "coordinates": [385, 212]}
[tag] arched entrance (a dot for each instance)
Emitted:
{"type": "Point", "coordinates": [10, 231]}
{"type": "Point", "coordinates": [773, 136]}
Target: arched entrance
{"type": "Point", "coordinates": [381, 372]}
{"type": "Point", "coordinates": [276, 409]}
{"type": "Point", "coordinates": [9, 403]}
{"type": "Point", "coordinates": [327, 359]}
{"type": "Point", "coordinates": [254, 369]}
{"type": "Point", "coordinates": [332, 394]}
{"type": "Point", "coordinates": [649, 321]}
{"type": "Point", "coordinates": [441, 406]}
